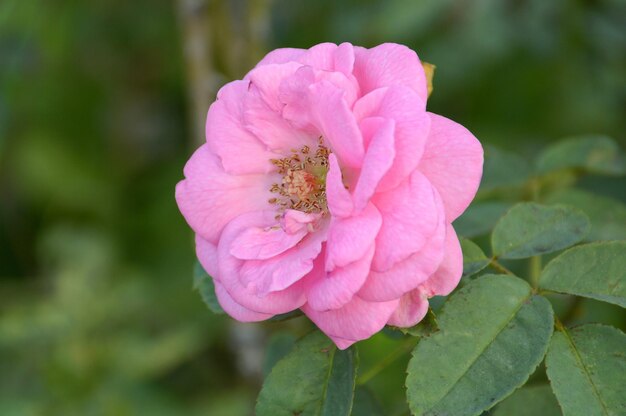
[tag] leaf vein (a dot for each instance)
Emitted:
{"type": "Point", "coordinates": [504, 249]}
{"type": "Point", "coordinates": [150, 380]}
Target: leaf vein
{"type": "Point", "coordinates": [498, 332]}
{"type": "Point", "coordinates": [330, 371]}
{"type": "Point", "coordinates": [580, 361]}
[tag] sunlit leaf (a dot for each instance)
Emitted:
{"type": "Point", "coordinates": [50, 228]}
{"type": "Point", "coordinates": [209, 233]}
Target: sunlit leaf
{"type": "Point", "coordinates": [493, 334]}
{"type": "Point", "coordinates": [529, 229]}
{"type": "Point", "coordinates": [595, 270]}
{"type": "Point", "coordinates": [586, 367]}
{"type": "Point", "coordinates": [315, 378]}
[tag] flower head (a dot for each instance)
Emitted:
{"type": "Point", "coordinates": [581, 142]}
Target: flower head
{"type": "Point", "coordinates": [325, 185]}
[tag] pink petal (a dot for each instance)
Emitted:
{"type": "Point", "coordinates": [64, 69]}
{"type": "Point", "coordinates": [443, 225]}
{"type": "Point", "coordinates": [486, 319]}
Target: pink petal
{"type": "Point", "coordinates": [267, 79]}
{"type": "Point", "coordinates": [390, 64]}
{"type": "Point", "coordinates": [407, 109]}
{"type": "Point", "coordinates": [342, 343]}
{"type": "Point", "coordinates": [207, 256]}
{"type": "Point", "coordinates": [408, 274]}
{"type": "Point", "coordinates": [377, 161]}
{"type": "Point", "coordinates": [330, 57]}
{"type": "Point", "coordinates": [337, 288]}
{"type": "Point", "coordinates": [412, 308]}
{"type": "Point", "coordinates": [209, 197]}
{"type": "Point", "coordinates": [448, 275]}
{"type": "Point", "coordinates": [282, 271]}
{"type": "Point", "coordinates": [336, 123]}
{"type": "Point", "coordinates": [300, 92]}
{"type": "Point", "coordinates": [230, 271]}
{"type": "Point", "coordinates": [350, 238]}
{"type": "Point", "coordinates": [369, 104]}
{"type": "Point", "coordinates": [320, 56]}
{"type": "Point", "coordinates": [337, 196]}
{"type": "Point", "coordinates": [262, 109]}
{"type": "Point", "coordinates": [344, 58]}
{"type": "Point", "coordinates": [236, 310]}
{"type": "Point", "coordinates": [411, 214]}
{"type": "Point", "coordinates": [270, 128]}
{"type": "Point", "coordinates": [281, 56]}
{"type": "Point", "coordinates": [294, 94]}
{"type": "Point", "coordinates": [257, 243]}
{"type": "Point", "coordinates": [453, 162]}
{"type": "Point", "coordinates": [239, 150]}
{"type": "Point", "coordinates": [369, 127]}
{"type": "Point", "coordinates": [293, 221]}
{"type": "Point", "coordinates": [355, 321]}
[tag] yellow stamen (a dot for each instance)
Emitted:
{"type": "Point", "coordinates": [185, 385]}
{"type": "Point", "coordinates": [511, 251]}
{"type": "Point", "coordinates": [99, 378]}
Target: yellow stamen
{"type": "Point", "coordinates": [303, 186]}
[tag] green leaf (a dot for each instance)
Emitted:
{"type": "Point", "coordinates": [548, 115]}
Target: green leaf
{"type": "Point", "coordinates": [315, 378]}
{"type": "Point", "coordinates": [503, 169]}
{"type": "Point", "coordinates": [607, 215]}
{"type": "Point", "coordinates": [365, 404]}
{"type": "Point", "coordinates": [586, 367]}
{"type": "Point", "coordinates": [393, 332]}
{"type": "Point", "coordinates": [474, 260]}
{"type": "Point", "coordinates": [278, 346]}
{"type": "Point", "coordinates": [595, 154]}
{"type": "Point", "coordinates": [480, 218]}
{"type": "Point", "coordinates": [492, 335]}
{"type": "Point", "coordinates": [204, 284]}
{"type": "Point", "coordinates": [537, 400]}
{"type": "Point", "coordinates": [529, 229]}
{"type": "Point", "coordinates": [424, 328]}
{"type": "Point", "coordinates": [595, 270]}
{"type": "Point", "coordinates": [296, 313]}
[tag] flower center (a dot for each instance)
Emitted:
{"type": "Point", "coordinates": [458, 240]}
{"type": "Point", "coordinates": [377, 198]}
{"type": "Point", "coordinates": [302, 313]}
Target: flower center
{"type": "Point", "coordinates": [303, 186]}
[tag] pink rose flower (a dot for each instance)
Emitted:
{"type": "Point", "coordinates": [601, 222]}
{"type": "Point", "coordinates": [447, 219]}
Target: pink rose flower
{"type": "Point", "coordinates": [325, 185]}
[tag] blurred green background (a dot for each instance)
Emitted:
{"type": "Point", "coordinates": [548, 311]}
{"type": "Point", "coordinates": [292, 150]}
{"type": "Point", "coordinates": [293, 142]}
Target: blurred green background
{"type": "Point", "coordinates": [100, 103]}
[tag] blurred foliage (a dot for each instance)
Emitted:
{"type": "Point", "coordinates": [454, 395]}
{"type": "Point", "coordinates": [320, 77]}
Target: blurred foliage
{"type": "Point", "coordinates": [97, 312]}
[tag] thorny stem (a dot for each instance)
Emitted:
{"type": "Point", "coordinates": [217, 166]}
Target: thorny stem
{"type": "Point", "coordinates": [402, 349]}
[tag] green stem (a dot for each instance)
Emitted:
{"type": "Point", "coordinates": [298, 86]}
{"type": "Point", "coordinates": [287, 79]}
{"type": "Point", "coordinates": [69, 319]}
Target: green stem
{"type": "Point", "coordinates": [558, 324]}
{"type": "Point", "coordinates": [499, 267]}
{"type": "Point", "coordinates": [535, 271]}
{"type": "Point", "coordinates": [573, 311]}
{"type": "Point", "coordinates": [402, 349]}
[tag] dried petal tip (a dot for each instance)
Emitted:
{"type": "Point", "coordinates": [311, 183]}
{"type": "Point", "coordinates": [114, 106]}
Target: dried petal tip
{"type": "Point", "coordinates": [429, 70]}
